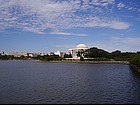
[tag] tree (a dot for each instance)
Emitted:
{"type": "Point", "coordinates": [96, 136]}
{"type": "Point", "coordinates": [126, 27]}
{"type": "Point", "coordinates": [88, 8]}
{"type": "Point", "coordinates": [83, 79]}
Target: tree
{"type": "Point", "coordinates": [96, 53]}
{"type": "Point", "coordinates": [67, 55]}
{"type": "Point", "coordinates": [135, 60]}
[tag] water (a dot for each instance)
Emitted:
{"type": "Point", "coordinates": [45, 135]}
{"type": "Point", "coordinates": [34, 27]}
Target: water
{"type": "Point", "coordinates": [30, 82]}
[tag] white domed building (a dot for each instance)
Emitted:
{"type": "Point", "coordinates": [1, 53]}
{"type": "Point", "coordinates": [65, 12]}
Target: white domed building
{"type": "Point", "coordinates": [81, 46]}
{"type": "Point", "coordinates": [78, 49]}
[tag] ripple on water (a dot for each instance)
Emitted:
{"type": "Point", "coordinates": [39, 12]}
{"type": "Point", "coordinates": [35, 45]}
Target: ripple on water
{"type": "Point", "coordinates": [29, 82]}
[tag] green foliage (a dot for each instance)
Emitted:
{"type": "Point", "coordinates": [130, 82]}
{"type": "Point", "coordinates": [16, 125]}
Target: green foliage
{"type": "Point", "coordinates": [48, 58]}
{"type": "Point", "coordinates": [118, 56]}
{"type": "Point", "coordinates": [96, 53]}
{"type": "Point", "coordinates": [81, 58]}
{"type": "Point", "coordinates": [6, 57]}
{"type": "Point", "coordinates": [135, 60]}
{"type": "Point", "coordinates": [67, 55]}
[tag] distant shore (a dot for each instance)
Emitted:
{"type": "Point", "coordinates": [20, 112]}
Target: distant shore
{"type": "Point", "coordinates": [92, 62]}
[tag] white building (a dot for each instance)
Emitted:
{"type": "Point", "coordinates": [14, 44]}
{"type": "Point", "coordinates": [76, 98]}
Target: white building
{"type": "Point", "coordinates": [78, 49]}
{"type": "Point", "coordinates": [57, 53]}
{"type": "Point", "coordinates": [18, 54]}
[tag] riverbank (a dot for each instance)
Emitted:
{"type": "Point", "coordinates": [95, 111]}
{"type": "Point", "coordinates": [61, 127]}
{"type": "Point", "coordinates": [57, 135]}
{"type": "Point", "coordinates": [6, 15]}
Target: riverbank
{"type": "Point", "coordinates": [92, 62]}
{"type": "Point", "coordinates": [136, 68]}
{"type": "Point", "coordinates": [73, 61]}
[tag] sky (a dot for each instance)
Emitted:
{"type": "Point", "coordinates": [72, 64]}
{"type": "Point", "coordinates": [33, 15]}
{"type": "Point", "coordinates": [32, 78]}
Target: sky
{"type": "Point", "coordinates": [58, 25]}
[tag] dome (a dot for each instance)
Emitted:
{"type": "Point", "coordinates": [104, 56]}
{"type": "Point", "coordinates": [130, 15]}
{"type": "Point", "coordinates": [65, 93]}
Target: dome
{"type": "Point", "coordinates": [81, 46]}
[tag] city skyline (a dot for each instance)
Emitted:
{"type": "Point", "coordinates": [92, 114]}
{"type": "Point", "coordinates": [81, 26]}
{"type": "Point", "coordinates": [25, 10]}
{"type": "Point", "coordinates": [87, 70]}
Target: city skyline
{"type": "Point", "coordinates": [58, 25]}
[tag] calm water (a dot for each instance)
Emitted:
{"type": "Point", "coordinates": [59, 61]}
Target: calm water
{"type": "Point", "coordinates": [30, 82]}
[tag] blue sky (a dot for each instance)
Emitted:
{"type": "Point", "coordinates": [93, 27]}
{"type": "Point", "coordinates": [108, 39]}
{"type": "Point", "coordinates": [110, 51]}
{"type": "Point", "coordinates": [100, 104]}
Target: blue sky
{"type": "Point", "coordinates": [52, 25]}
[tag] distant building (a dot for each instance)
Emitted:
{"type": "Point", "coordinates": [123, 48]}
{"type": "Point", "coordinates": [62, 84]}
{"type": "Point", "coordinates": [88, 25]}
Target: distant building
{"type": "Point", "coordinates": [57, 53]}
{"type": "Point", "coordinates": [29, 54]}
{"type": "Point", "coordinates": [50, 53]}
{"type": "Point", "coordinates": [18, 54]}
{"type": "Point", "coordinates": [42, 54]}
{"type": "Point", "coordinates": [61, 54]}
{"type": "Point", "coordinates": [79, 49]}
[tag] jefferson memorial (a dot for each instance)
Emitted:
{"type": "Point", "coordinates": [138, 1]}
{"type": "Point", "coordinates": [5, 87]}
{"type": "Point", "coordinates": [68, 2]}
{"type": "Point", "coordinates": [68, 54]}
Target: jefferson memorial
{"type": "Point", "coordinates": [78, 49]}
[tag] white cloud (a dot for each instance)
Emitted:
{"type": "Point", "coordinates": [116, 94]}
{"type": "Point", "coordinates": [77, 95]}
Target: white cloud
{"type": "Point", "coordinates": [119, 25]}
{"type": "Point", "coordinates": [120, 5]}
{"type": "Point", "coordinates": [67, 34]}
{"type": "Point", "coordinates": [101, 22]}
{"type": "Point", "coordinates": [127, 6]}
{"type": "Point", "coordinates": [100, 2]}
{"type": "Point", "coordinates": [39, 15]}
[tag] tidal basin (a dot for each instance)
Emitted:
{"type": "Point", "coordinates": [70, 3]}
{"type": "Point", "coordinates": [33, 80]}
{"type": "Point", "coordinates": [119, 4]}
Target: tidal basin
{"type": "Point", "coordinates": [31, 82]}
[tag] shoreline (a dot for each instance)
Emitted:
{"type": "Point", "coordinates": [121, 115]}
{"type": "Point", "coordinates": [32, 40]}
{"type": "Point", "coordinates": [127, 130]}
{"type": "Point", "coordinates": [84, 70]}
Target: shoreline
{"type": "Point", "coordinates": [87, 62]}
{"type": "Point", "coordinates": [74, 61]}
{"type": "Point", "coordinates": [136, 68]}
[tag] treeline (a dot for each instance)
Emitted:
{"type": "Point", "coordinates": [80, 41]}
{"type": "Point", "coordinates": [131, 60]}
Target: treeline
{"type": "Point", "coordinates": [92, 54]}
{"type": "Point", "coordinates": [39, 57]}
{"type": "Point", "coordinates": [48, 58]}
{"type": "Point", "coordinates": [135, 59]}
{"type": "Point", "coordinates": [95, 54]}
{"type": "Point", "coordinates": [99, 54]}
{"type": "Point", "coordinates": [11, 57]}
